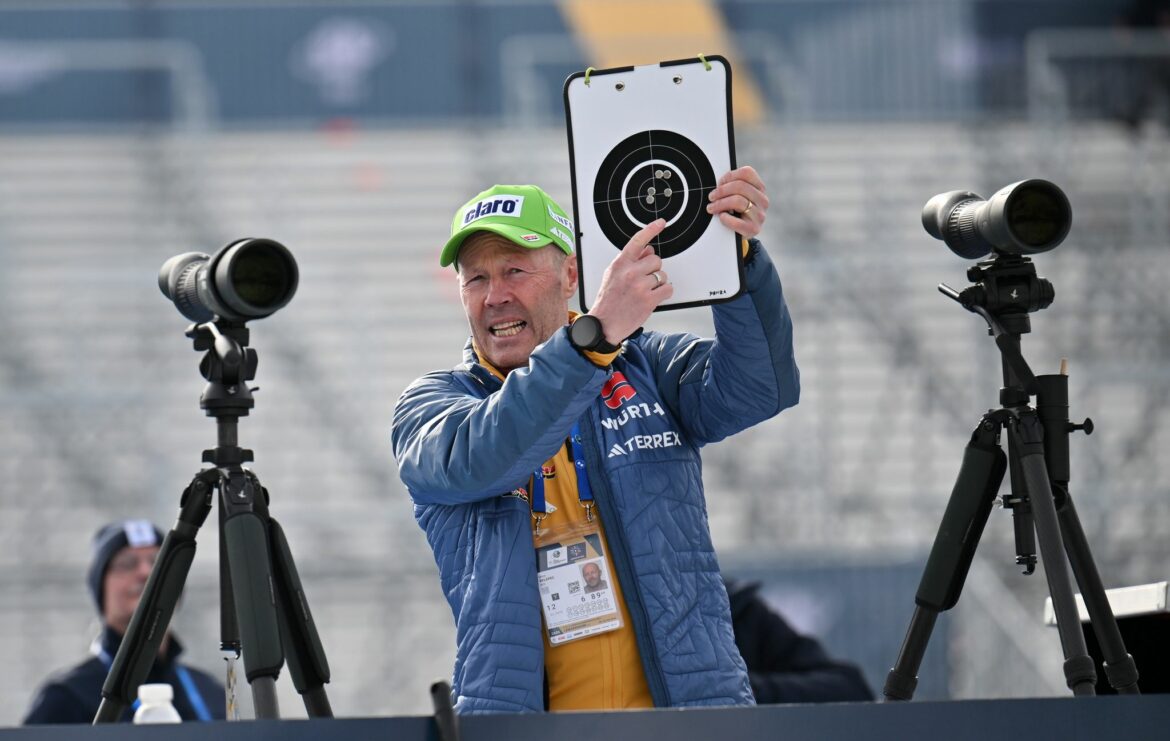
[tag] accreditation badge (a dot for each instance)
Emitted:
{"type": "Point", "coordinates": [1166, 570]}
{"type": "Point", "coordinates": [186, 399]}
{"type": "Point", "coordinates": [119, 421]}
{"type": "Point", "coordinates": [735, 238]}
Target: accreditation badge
{"type": "Point", "coordinates": [575, 581]}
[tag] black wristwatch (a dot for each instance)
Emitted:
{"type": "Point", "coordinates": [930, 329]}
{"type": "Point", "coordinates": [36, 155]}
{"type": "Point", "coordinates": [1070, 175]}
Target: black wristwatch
{"type": "Point", "coordinates": [585, 333]}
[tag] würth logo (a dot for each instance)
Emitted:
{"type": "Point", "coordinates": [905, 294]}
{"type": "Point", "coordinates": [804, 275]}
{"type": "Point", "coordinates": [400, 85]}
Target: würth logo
{"type": "Point", "coordinates": [617, 391]}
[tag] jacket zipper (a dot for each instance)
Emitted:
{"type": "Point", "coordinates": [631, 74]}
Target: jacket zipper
{"type": "Point", "coordinates": [488, 386]}
{"type": "Point", "coordinates": [619, 550]}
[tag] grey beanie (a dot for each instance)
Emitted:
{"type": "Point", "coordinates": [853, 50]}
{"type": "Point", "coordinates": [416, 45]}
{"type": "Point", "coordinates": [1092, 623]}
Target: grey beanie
{"type": "Point", "coordinates": [108, 541]}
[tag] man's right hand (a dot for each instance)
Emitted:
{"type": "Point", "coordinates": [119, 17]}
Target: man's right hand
{"type": "Point", "coordinates": [633, 285]}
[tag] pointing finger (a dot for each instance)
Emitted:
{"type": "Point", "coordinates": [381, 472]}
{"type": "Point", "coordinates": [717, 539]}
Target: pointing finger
{"type": "Point", "coordinates": [635, 248]}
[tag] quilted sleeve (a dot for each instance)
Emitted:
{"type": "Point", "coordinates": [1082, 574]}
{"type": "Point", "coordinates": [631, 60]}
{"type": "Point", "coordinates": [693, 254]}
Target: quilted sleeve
{"type": "Point", "coordinates": [746, 374]}
{"type": "Point", "coordinates": [453, 447]}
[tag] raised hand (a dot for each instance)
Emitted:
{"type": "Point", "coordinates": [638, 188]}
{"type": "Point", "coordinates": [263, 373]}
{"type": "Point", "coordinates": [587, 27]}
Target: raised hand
{"type": "Point", "coordinates": [741, 201]}
{"type": "Point", "coordinates": [633, 285]}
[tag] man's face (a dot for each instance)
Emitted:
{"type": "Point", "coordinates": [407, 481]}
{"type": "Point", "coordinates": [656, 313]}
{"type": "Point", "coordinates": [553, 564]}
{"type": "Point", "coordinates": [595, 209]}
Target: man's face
{"type": "Point", "coordinates": [592, 574]}
{"type": "Point", "coordinates": [123, 584]}
{"type": "Point", "coordinates": [514, 297]}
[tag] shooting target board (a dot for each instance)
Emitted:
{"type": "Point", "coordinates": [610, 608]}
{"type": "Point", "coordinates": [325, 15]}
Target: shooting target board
{"type": "Point", "coordinates": [647, 143]}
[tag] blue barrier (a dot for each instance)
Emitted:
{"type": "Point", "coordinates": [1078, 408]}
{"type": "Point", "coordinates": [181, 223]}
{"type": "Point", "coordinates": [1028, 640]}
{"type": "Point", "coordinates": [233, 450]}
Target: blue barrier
{"type": "Point", "coordinates": [1070, 719]}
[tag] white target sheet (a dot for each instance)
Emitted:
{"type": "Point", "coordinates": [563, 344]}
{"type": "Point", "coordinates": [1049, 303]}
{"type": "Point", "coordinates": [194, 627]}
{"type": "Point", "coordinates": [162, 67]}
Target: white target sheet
{"type": "Point", "coordinates": [649, 143]}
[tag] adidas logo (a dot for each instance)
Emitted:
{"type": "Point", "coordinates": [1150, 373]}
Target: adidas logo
{"type": "Point", "coordinates": [616, 450]}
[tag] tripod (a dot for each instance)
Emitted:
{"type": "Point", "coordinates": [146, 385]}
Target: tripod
{"type": "Point", "coordinates": [1006, 291]}
{"type": "Point", "coordinates": [263, 608]}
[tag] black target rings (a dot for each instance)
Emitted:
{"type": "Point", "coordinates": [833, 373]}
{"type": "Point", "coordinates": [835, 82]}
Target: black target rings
{"type": "Point", "coordinates": [654, 175]}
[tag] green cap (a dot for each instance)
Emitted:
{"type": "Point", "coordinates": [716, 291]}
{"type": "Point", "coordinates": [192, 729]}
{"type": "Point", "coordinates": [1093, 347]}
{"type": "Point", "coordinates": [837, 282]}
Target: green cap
{"type": "Point", "coordinates": [524, 214]}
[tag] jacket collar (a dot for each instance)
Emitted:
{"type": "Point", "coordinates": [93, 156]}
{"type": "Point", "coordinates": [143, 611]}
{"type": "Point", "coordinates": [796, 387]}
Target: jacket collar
{"type": "Point", "coordinates": [482, 376]}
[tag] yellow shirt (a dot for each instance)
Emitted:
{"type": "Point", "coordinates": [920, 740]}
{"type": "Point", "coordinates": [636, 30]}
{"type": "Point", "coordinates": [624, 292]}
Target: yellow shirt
{"type": "Point", "coordinates": [603, 671]}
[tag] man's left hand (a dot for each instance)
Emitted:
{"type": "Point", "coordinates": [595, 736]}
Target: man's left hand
{"type": "Point", "coordinates": [740, 201]}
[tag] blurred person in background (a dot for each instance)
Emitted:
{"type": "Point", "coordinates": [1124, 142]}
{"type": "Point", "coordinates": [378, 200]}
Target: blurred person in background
{"type": "Point", "coordinates": [604, 415]}
{"type": "Point", "coordinates": [123, 555]}
{"type": "Point", "coordinates": [785, 666]}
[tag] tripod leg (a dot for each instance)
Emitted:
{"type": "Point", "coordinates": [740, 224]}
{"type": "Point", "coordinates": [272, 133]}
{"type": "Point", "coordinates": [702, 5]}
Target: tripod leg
{"type": "Point", "coordinates": [251, 576]}
{"type": "Point", "coordinates": [902, 679]}
{"type": "Point", "coordinates": [1052, 409]}
{"type": "Point", "coordinates": [306, 656]}
{"type": "Point", "coordinates": [954, 546]}
{"type": "Point", "coordinates": [1120, 668]}
{"type": "Point", "coordinates": [151, 618]}
{"type": "Point", "coordinates": [1027, 436]}
{"type": "Point", "coordinates": [1023, 528]}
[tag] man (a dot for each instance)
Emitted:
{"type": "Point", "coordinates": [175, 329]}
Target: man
{"type": "Point", "coordinates": [591, 573]}
{"type": "Point", "coordinates": [123, 555]}
{"type": "Point", "coordinates": [587, 436]}
{"type": "Point", "coordinates": [785, 666]}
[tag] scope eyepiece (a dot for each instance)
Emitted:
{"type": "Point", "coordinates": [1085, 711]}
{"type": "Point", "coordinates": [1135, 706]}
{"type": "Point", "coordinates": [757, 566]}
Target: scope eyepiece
{"type": "Point", "coordinates": [1023, 218]}
{"type": "Point", "coordinates": [247, 279]}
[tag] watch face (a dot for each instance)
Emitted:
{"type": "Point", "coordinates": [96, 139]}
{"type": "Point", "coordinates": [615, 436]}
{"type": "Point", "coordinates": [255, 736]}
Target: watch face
{"type": "Point", "coordinates": [585, 332]}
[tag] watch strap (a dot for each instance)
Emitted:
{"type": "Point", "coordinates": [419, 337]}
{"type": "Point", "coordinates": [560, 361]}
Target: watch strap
{"type": "Point", "coordinates": [600, 345]}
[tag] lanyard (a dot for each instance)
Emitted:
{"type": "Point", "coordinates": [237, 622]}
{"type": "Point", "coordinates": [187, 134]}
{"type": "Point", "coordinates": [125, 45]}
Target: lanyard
{"type": "Point", "coordinates": [584, 493]}
{"type": "Point", "coordinates": [193, 696]}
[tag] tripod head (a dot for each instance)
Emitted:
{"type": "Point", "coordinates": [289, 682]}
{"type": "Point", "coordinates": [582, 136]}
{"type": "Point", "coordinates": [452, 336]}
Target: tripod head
{"type": "Point", "coordinates": [227, 365]}
{"type": "Point", "coordinates": [1007, 288]}
{"type": "Point", "coordinates": [1006, 291]}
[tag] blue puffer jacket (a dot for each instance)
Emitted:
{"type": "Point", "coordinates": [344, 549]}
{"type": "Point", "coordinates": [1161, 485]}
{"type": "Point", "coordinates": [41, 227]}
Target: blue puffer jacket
{"type": "Point", "coordinates": [465, 442]}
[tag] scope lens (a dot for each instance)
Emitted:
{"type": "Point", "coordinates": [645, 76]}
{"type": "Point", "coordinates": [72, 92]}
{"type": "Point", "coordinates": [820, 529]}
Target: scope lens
{"type": "Point", "coordinates": [247, 279]}
{"type": "Point", "coordinates": [252, 278]}
{"type": "Point", "coordinates": [1037, 215]}
{"type": "Point", "coordinates": [261, 275]}
{"type": "Point", "coordinates": [1019, 219]}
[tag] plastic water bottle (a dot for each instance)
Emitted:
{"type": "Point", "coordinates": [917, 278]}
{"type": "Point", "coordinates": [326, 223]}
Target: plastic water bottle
{"type": "Point", "coordinates": [155, 705]}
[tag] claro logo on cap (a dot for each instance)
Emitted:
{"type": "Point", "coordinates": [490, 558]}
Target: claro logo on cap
{"type": "Point", "coordinates": [494, 206]}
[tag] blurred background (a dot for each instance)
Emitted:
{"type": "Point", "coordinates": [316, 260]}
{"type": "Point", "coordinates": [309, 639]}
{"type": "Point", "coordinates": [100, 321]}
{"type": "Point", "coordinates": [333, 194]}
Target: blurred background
{"type": "Point", "coordinates": [133, 131]}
